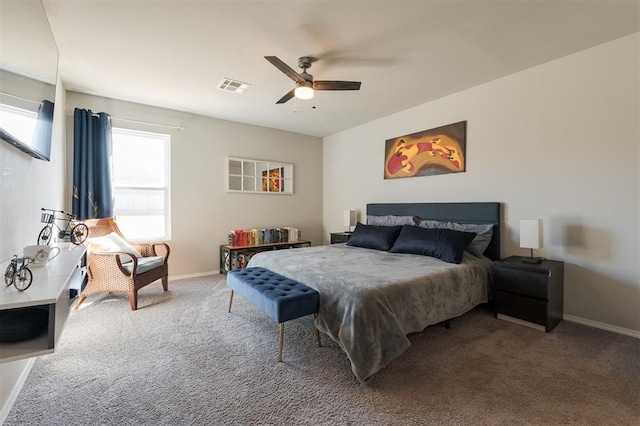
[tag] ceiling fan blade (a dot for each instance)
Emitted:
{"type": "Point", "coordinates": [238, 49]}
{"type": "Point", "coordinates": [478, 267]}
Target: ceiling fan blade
{"type": "Point", "coordinates": [286, 97]}
{"type": "Point", "coordinates": [336, 85]}
{"type": "Point", "coordinates": [286, 69]}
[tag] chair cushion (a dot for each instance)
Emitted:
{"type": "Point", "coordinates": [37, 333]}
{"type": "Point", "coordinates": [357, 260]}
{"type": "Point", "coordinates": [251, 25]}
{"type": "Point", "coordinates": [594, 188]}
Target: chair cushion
{"type": "Point", "coordinates": [112, 243]}
{"type": "Point", "coordinates": [144, 264]}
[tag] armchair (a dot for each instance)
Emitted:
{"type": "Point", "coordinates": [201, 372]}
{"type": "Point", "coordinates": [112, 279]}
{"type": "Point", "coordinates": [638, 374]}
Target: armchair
{"type": "Point", "coordinates": [117, 265]}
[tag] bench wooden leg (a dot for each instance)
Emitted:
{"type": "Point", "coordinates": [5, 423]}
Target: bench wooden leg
{"type": "Point", "coordinates": [230, 301]}
{"type": "Point", "coordinates": [315, 317]}
{"type": "Point", "coordinates": [281, 339]}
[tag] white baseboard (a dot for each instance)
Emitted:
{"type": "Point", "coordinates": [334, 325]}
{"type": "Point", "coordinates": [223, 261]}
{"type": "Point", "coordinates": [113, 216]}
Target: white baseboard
{"type": "Point", "coordinates": [602, 326]}
{"type": "Point", "coordinates": [577, 320]}
{"type": "Point", "coordinates": [521, 322]}
{"type": "Point", "coordinates": [6, 408]}
{"type": "Point", "coordinates": [197, 275]}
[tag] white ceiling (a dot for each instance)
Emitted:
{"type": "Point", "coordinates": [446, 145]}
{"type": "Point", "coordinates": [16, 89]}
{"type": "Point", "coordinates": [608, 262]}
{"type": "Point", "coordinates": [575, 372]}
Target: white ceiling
{"type": "Point", "coordinates": [173, 53]}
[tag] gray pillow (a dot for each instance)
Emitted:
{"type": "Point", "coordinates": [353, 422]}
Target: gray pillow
{"type": "Point", "coordinates": [391, 220]}
{"type": "Point", "coordinates": [479, 243]}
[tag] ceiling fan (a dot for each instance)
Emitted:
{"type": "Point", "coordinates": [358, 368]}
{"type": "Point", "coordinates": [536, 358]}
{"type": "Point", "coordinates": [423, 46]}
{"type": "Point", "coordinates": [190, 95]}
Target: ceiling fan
{"type": "Point", "coordinates": [305, 85]}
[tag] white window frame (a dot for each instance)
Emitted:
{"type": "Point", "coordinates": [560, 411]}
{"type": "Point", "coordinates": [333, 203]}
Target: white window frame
{"type": "Point", "coordinates": [167, 184]}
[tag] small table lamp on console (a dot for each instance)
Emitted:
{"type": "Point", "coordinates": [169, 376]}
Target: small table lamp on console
{"type": "Point", "coordinates": [350, 219]}
{"type": "Point", "coordinates": [530, 238]}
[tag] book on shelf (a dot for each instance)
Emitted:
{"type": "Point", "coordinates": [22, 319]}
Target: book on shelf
{"type": "Point", "coordinates": [251, 237]}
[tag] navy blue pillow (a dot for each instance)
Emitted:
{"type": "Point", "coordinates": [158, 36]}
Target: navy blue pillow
{"type": "Point", "coordinates": [374, 237]}
{"type": "Point", "coordinates": [444, 244]}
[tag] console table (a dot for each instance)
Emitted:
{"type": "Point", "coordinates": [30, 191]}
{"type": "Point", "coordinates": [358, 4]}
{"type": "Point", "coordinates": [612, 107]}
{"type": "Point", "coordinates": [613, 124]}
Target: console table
{"type": "Point", "coordinates": [237, 257]}
{"type": "Point", "coordinates": [53, 288]}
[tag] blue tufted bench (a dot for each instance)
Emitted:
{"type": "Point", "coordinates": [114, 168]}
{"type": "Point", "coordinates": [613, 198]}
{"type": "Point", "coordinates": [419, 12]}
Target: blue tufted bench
{"type": "Point", "coordinates": [281, 298]}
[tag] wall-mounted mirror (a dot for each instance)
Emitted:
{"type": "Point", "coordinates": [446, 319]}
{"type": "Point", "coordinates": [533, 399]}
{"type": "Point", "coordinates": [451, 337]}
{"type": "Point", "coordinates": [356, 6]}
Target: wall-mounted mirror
{"type": "Point", "coordinates": [259, 176]}
{"type": "Point", "coordinates": [28, 74]}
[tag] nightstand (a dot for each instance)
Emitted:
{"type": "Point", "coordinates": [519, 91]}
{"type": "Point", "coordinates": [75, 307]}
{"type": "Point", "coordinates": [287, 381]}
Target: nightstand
{"type": "Point", "coordinates": [530, 292]}
{"type": "Point", "coordinates": [340, 237]}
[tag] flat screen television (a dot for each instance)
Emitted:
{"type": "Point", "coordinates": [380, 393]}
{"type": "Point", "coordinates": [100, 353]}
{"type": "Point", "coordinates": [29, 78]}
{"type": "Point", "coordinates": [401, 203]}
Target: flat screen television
{"type": "Point", "coordinates": [29, 131]}
{"type": "Point", "coordinates": [28, 75]}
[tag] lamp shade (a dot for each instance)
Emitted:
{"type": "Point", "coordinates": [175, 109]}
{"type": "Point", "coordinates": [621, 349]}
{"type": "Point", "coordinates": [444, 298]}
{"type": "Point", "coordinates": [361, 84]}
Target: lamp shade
{"type": "Point", "coordinates": [350, 219]}
{"type": "Point", "coordinates": [530, 233]}
{"type": "Point", "coordinates": [304, 90]}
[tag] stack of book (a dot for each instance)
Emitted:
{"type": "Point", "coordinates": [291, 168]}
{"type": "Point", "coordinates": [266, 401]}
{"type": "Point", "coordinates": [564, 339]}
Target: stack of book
{"type": "Point", "coordinates": [254, 237]}
{"type": "Point", "coordinates": [233, 260]}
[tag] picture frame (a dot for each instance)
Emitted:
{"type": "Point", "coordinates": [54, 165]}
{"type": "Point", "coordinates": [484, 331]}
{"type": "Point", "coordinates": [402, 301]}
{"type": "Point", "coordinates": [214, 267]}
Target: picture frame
{"type": "Point", "coordinates": [436, 151]}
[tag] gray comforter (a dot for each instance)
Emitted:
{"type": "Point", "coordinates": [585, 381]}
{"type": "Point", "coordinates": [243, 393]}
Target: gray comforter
{"type": "Point", "coordinates": [370, 300]}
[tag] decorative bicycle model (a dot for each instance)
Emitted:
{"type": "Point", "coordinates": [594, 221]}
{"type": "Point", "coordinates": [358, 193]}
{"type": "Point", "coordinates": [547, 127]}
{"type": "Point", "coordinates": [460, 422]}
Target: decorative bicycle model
{"type": "Point", "coordinates": [18, 273]}
{"type": "Point", "coordinates": [77, 232]}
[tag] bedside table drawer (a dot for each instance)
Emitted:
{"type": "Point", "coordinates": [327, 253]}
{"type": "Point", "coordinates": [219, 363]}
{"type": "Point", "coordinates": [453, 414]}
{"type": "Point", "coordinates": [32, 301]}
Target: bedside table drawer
{"type": "Point", "coordinates": [532, 284]}
{"type": "Point", "coordinates": [532, 310]}
{"type": "Point", "coordinates": [340, 237]}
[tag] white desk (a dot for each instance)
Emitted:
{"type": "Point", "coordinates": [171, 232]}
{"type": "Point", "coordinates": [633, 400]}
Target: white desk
{"type": "Point", "coordinates": [50, 290]}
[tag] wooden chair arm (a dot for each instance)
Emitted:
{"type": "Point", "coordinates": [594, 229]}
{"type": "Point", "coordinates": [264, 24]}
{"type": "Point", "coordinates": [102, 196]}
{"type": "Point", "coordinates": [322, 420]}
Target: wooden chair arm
{"type": "Point", "coordinates": [166, 249]}
{"type": "Point", "coordinates": [149, 249]}
{"type": "Point", "coordinates": [103, 258]}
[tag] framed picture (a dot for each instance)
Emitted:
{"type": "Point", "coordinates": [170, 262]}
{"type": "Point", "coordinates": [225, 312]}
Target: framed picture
{"type": "Point", "coordinates": [271, 179]}
{"type": "Point", "coordinates": [429, 152]}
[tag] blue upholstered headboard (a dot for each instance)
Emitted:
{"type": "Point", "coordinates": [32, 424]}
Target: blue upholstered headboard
{"type": "Point", "coordinates": [477, 212]}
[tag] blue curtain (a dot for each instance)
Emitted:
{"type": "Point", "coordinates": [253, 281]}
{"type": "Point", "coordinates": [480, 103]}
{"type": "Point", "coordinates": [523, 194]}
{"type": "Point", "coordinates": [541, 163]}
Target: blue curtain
{"type": "Point", "coordinates": [92, 192]}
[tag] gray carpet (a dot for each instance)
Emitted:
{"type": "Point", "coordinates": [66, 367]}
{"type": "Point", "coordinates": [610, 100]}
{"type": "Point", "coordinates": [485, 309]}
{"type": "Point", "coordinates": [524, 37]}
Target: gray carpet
{"type": "Point", "coordinates": [181, 359]}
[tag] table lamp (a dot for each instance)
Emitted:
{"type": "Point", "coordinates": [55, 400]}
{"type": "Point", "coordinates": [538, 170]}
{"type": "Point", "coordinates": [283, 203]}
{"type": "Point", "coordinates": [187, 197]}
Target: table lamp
{"type": "Point", "coordinates": [350, 219]}
{"type": "Point", "coordinates": [530, 238]}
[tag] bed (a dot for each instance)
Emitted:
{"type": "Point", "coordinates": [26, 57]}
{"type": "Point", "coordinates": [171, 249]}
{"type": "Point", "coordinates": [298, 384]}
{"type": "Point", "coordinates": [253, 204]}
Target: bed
{"type": "Point", "coordinates": [370, 300]}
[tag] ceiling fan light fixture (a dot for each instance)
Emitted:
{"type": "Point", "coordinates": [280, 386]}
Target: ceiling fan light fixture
{"type": "Point", "coordinates": [304, 90]}
{"type": "Point", "coordinates": [305, 84]}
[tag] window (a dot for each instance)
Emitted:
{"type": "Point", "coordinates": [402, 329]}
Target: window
{"type": "Point", "coordinates": [141, 190]}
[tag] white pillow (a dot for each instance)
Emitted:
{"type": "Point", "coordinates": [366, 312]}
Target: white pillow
{"type": "Point", "coordinates": [113, 243]}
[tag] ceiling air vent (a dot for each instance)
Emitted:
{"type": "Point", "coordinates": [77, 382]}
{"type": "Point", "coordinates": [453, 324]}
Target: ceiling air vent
{"type": "Point", "coordinates": [234, 86]}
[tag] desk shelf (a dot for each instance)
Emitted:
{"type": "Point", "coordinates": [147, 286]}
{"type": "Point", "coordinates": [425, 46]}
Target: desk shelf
{"type": "Point", "coordinates": [51, 290]}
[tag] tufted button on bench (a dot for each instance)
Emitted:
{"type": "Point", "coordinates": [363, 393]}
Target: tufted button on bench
{"type": "Point", "coordinates": [281, 298]}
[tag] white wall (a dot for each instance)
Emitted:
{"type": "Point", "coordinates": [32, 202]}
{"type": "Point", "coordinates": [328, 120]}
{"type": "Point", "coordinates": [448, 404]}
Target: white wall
{"type": "Point", "coordinates": [27, 185]}
{"type": "Point", "coordinates": [202, 212]}
{"type": "Point", "coordinates": [559, 142]}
